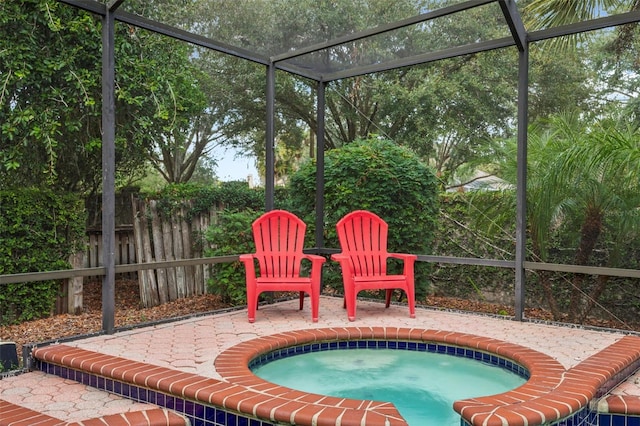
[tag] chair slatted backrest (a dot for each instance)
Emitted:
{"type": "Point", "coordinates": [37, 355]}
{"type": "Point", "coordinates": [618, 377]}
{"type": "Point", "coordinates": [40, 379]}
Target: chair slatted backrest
{"type": "Point", "coordinates": [279, 239]}
{"type": "Point", "coordinates": [363, 236]}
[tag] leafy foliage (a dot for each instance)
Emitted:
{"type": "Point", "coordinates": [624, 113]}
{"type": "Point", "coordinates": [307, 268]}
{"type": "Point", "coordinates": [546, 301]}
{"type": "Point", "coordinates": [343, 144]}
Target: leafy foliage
{"type": "Point", "coordinates": [582, 198]}
{"type": "Point", "coordinates": [51, 93]}
{"type": "Point", "coordinates": [234, 196]}
{"type": "Point", "coordinates": [232, 235]}
{"type": "Point", "coordinates": [464, 230]}
{"type": "Point", "coordinates": [40, 229]}
{"type": "Point", "coordinates": [379, 176]}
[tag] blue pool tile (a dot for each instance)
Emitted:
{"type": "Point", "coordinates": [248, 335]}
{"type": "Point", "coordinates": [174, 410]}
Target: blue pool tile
{"type": "Point", "coordinates": [209, 414]}
{"type": "Point", "coordinates": [170, 402]}
{"type": "Point", "coordinates": [221, 417]}
{"type": "Point", "coordinates": [179, 405]}
{"type": "Point", "coordinates": [134, 393]}
{"type": "Point", "coordinates": [189, 407]}
{"type": "Point", "coordinates": [143, 395]}
{"type": "Point", "coordinates": [618, 420]}
{"type": "Point", "coordinates": [232, 419]}
{"type": "Point", "coordinates": [633, 421]}
{"type": "Point", "coordinates": [199, 410]}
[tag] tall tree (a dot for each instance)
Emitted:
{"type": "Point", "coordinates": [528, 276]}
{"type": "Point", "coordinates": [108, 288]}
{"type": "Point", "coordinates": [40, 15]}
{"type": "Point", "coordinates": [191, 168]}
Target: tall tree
{"type": "Point", "coordinates": [583, 183]}
{"type": "Point", "coordinates": [50, 96]}
{"type": "Point", "coordinates": [540, 14]}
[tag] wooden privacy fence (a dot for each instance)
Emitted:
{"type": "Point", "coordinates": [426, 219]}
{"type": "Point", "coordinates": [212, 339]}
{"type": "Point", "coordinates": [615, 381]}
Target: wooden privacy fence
{"type": "Point", "coordinates": [125, 249]}
{"type": "Point", "coordinates": [155, 238]}
{"type": "Point", "coordinates": [158, 238]}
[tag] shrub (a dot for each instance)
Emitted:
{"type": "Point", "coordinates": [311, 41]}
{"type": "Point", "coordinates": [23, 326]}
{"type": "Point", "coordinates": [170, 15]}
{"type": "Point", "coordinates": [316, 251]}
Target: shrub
{"type": "Point", "coordinates": [234, 196]}
{"type": "Point", "coordinates": [231, 235]}
{"type": "Point", "coordinates": [379, 176]}
{"type": "Point", "coordinates": [40, 229]}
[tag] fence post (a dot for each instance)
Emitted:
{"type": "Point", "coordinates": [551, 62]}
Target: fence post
{"type": "Point", "coordinates": [75, 302]}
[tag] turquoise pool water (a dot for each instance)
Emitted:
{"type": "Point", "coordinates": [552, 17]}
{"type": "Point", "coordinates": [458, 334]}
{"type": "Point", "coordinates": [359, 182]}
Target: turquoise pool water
{"type": "Point", "coordinates": [422, 385]}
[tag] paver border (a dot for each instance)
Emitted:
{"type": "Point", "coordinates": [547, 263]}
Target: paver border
{"type": "Point", "coordinates": [552, 392]}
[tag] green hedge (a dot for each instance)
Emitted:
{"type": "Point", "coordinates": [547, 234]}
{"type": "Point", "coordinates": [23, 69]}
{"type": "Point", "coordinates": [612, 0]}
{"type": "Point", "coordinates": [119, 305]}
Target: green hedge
{"type": "Point", "coordinates": [380, 176]}
{"type": "Point", "coordinates": [40, 229]}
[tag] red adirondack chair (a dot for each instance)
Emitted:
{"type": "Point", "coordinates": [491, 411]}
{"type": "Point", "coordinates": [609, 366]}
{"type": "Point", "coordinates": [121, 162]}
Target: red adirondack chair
{"type": "Point", "coordinates": [279, 239]}
{"type": "Point", "coordinates": [363, 241]}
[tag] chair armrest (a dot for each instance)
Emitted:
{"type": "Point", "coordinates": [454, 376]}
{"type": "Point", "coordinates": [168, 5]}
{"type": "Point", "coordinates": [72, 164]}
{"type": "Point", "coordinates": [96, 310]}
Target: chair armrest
{"type": "Point", "coordinates": [250, 267]}
{"type": "Point", "coordinates": [246, 257]}
{"type": "Point", "coordinates": [408, 260]}
{"type": "Point", "coordinates": [316, 266]}
{"type": "Point", "coordinates": [345, 262]}
{"type": "Point", "coordinates": [314, 258]}
{"type": "Point", "coordinates": [403, 256]}
{"type": "Point", "coordinates": [339, 257]}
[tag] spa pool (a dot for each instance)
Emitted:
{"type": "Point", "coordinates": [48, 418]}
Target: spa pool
{"type": "Point", "coordinates": [423, 385]}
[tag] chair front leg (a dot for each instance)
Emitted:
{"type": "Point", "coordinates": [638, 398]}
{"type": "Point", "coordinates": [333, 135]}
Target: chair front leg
{"type": "Point", "coordinates": [252, 302]}
{"type": "Point", "coordinates": [350, 296]}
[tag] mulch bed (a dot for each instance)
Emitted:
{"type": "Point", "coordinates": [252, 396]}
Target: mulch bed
{"type": "Point", "coordinates": [128, 312]}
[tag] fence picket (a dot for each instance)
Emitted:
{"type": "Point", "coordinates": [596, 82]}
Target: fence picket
{"type": "Point", "coordinates": [176, 229]}
{"type": "Point", "coordinates": [158, 247]}
{"type": "Point", "coordinates": [153, 237]}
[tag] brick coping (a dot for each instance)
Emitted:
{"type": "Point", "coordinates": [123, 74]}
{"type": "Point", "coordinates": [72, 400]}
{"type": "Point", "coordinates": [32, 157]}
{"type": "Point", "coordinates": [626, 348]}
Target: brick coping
{"type": "Point", "coordinates": [14, 415]}
{"type": "Point", "coordinates": [551, 393]}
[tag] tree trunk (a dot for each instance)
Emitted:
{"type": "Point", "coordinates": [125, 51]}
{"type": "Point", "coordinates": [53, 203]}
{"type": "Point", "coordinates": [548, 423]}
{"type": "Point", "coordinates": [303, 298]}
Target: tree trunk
{"type": "Point", "coordinates": [547, 290]}
{"type": "Point", "coordinates": [589, 233]}
{"type": "Point", "coordinates": [601, 285]}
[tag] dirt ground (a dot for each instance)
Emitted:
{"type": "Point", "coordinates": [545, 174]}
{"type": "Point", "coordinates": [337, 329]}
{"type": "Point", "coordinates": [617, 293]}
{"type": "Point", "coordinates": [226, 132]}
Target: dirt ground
{"type": "Point", "coordinates": [128, 313]}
